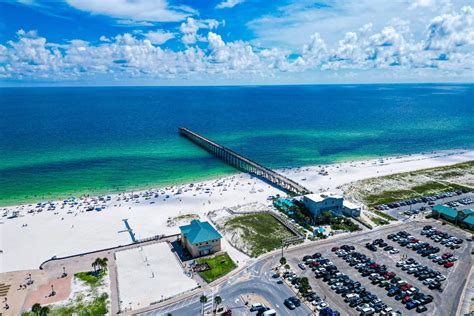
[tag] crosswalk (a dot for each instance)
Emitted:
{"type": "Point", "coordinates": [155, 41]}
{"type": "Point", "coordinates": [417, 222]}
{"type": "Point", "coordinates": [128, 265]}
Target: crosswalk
{"type": "Point", "coordinates": [210, 301]}
{"type": "Point", "coordinates": [208, 306]}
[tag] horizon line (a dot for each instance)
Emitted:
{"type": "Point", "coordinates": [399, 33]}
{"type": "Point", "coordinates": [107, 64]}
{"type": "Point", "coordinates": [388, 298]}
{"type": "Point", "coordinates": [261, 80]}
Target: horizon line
{"type": "Point", "coordinates": [235, 85]}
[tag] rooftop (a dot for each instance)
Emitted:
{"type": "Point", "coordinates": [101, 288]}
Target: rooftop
{"type": "Point", "coordinates": [350, 205]}
{"type": "Point", "coordinates": [198, 232]}
{"type": "Point", "coordinates": [318, 197]}
{"type": "Point", "coordinates": [467, 212]}
{"type": "Point", "coordinates": [469, 220]}
{"type": "Point", "coordinates": [450, 212]}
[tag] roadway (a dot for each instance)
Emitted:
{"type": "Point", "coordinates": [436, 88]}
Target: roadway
{"type": "Point", "coordinates": [256, 280]}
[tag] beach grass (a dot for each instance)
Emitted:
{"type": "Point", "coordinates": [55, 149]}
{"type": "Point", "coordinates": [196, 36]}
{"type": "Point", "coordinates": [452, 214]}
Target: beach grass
{"type": "Point", "coordinates": [93, 279]}
{"type": "Point", "coordinates": [219, 265]}
{"type": "Point", "coordinates": [420, 183]}
{"type": "Point", "coordinates": [261, 232]}
{"type": "Point", "coordinates": [425, 189]}
{"type": "Point", "coordinates": [379, 221]}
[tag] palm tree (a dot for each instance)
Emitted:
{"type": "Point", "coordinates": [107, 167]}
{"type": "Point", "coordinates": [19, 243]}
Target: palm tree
{"type": "Point", "coordinates": [203, 300]}
{"type": "Point", "coordinates": [94, 265]}
{"type": "Point", "coordinates": [104, 263]}
{"type": "Point", "coordinates": [283, 261]}
{"type": "Point", "coordinates": [287, 267]}
{"type": "Point", "coordinates": [217, 300]}
{"type": "Point", "coordinates": [44, 311]}
{"type": "Point", "coordinates": [36, 308]}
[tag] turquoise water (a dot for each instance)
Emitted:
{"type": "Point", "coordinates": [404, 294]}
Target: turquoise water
{"type": "Point", "coordinates": [57, 142]}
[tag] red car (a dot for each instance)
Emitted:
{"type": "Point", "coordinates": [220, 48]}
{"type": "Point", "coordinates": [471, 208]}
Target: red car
{"type": "Point", "coordinates": [373, 266]}
{"type": "Point", "coordinates": [406, 299]}
{"type": "Point", "coordinates": [406, 287]}
{"type": "Point", "coordinates": [447, 255]}
{"type": "Point", "coordinates": [334, 249]}
{"type": "Point", "coordinates": [448, 264]}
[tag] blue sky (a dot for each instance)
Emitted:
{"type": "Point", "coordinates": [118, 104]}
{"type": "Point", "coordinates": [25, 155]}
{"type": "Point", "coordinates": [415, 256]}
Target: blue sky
{"type": "Point", "coordinates": [160, 42]}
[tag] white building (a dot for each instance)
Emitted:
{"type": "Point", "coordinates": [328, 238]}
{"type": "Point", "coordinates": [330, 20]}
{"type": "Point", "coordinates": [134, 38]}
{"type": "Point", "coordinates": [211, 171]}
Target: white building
{"type": "Point", "coordinates": [318, 203]}
{"type": "Point", "coordinates": [350, 209]}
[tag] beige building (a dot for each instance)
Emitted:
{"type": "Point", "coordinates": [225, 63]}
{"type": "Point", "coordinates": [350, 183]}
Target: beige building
{"type": "Point", "coordinates": [200, 238]}
{"type": "Point", "coordinates": [318, 203]}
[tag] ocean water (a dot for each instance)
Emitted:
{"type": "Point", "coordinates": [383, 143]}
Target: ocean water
{"type": "Point", "coordinates": [58, 142]}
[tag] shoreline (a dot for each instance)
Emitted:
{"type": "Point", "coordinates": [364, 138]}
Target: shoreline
{"type": "Point", "coordinates": [165, 184]}
{"type": "Point", "coordinates": [73, 226]}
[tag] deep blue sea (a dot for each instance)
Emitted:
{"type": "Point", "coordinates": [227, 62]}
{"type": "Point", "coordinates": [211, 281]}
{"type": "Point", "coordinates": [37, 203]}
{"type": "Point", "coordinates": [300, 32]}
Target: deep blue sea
{"type": "Point", "coordinates": [67, 141]}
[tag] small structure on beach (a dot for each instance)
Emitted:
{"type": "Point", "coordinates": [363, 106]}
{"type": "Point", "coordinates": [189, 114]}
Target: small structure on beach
{"type": "Point", "coordinates": [318, 203]}
{"type": "Point", "coordinates": [200, 238]}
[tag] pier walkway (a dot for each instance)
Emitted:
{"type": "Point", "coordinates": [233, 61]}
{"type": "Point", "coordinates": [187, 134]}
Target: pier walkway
{"type": "Point", "coordinates": [244, 164]}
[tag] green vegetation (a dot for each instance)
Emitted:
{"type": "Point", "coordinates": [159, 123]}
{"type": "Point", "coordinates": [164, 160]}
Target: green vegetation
{"type": "Point", "coordinates": [378, 221]}
{"type": "Point", "coordinates": [336, 222]}
{"type": "Point", "coordinates": [437, 180]}
{"type": "Point", "coordinates": [425, 189]}
{"type": "Point", "coordinates": [220, 266]}
{"type": "Point", "coordinates": [91, 278]}
{"type": "Point", "coordinates": [343, 223]}
{"type": "Point", "coordinates": [94, 278]}
{"type": "Point", "coordinates": [95, 304]}
{"type": "Point", "coordinates": [304, 286]}
{"type": "Point", "coordinates": [296, 211]}
{"type": "Point", "coordinates": [80, 306]}
{"type": "Point", "coordinates": [261, 232]}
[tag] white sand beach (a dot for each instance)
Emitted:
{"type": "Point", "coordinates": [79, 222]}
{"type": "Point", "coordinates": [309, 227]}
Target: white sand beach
{"type": "Point", "coordinates": [86, 224]}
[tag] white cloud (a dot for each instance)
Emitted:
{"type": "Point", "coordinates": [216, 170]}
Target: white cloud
{"type": "Point", "coordinates": [137, 10]}
{"type": "Point", "coordinates": [190, 29]}
{"type": "Point", "coordinates": [159, 37]}
{"type": "Point", "coordinates": [226, 4]}
{"type": "Point", "coordinates": [104, 39]}
{"type": "Point", "coordinates": [288, 26]}
{"type": "Point", "coordinates": [446, 48]}
{"type": "Point", "coordinates": [449, 31]}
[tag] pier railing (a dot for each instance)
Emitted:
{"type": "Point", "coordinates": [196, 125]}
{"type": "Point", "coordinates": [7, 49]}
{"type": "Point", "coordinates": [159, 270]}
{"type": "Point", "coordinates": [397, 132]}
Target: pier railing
{"type": "Point", "coordinates": [243, 163]}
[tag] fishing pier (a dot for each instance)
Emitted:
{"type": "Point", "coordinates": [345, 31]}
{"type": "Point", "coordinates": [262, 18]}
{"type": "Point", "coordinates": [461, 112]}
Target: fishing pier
{"type": "Point", "coordinates": [243, 163]}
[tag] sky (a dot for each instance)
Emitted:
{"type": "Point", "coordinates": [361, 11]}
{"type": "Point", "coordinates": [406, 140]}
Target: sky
{"type": "Point", "coordinates": [220, 42]}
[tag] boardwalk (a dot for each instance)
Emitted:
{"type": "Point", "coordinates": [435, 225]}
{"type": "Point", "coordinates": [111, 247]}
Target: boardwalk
{"type": "Point", "coordinates": [245, 164]}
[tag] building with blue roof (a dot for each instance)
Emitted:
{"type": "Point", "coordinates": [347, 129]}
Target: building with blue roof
{"type": "Point", "coordinates": [469, 221]}
{"type": "Point", "coordinates": [200, 238]}
{"type": "Point", "coordinates": [445, 212]}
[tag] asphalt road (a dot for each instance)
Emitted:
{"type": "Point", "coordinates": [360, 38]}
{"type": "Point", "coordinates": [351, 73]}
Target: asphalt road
{"type": "Point", "coordinates": [255, 280]}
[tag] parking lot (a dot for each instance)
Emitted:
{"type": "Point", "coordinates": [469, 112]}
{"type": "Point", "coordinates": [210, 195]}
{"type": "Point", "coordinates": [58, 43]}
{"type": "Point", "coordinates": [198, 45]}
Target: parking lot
{"type": "Point", "coordinates": [445, 302]}
{"type": "Point", "coordinates": [407, 211]}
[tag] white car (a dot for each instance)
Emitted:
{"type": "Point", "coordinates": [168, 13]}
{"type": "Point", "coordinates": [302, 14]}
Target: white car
{"type": "Point", "coordinates": [322, 306]}
{"type": "Point", "coordinates": [256, 306]}
{"type": "Point", "coordinates": [428, 281]}
{"type": "Point", "coordinates": [440, 277]}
